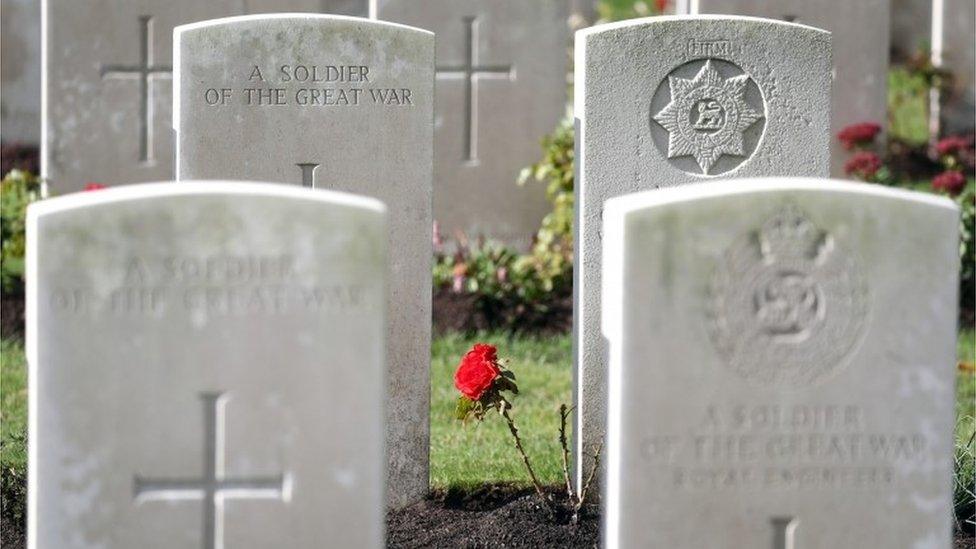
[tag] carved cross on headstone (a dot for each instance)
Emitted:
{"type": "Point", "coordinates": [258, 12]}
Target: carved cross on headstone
{"type": "Point", "coordinates": [213, 488]}
{"type": "Point", "coordinates": [472, 72]}
{"type": "Point", "coordinates": [146, 71]}
{"type": "Point", "coordinates": [308, 173]}
{"type": "Point", "coordinates": [783, 530]}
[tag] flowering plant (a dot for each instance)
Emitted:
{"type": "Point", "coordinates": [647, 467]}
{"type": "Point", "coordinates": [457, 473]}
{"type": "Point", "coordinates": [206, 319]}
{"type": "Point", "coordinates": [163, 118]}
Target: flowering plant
{"type": "Point", "coordinates": [864, 164]}
{"type": "Point", "coordinates": [482, 381]}
{"type": "Point", "coordinates": [94, 186]}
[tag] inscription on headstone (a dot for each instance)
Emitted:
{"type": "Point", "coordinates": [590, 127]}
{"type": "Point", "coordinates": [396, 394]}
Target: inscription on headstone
{"type": "Point", "coordinates": [501, 87]}
{"type": "Point", "coordinates": [670, 101]}
{"type": "Point", "coordinates": [860, 76]}
{"type": "Point", "coordinates": [771, 378]}
{"type": "Point", "coordinates": [330, 103]}
{"type": "Point", "coordinates": [108, 85]}
{"type": "Point", "coordinates": [182, 342]}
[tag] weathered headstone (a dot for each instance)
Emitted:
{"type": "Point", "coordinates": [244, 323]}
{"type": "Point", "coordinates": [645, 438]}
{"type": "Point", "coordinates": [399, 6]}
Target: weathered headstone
{"type": "Point", "coordinates": [206, 367]}
{"type": "Point", "coordinates": [670, 101]}
{"type": "Point", "coordinates": [501, 87]}
{"type": "Point", "coordinates": [954, 49]}
{"type": "Point", "coordinates": [329, 102]}
{"type": "Point", "coordinates": [20, 63]}
{"type": "Point", "coordinates": [860, 34]}
{"type": "Point", "coordinates": [108, 84]}
{"type": "Point", "coordinates": [782, 366]}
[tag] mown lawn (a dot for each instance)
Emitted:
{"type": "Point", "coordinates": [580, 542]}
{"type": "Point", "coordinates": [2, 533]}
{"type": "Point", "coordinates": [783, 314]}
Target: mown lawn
{"type": "Point", "coordinates": [461, 455]}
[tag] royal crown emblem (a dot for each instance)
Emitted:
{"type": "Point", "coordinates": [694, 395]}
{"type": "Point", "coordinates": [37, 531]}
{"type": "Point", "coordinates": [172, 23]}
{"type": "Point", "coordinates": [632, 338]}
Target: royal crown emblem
{"type": "Point", "coordinates": [788, 304]}
{"type": "Point", "coordinates": [707, 116]}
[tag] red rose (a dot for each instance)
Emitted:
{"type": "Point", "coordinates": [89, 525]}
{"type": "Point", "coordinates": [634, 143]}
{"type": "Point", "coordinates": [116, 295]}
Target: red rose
{"type": "Point", "coordinates": [94, 186]}
{"type": "Point", "coordinates": [858, 134]}
{"type": "Point", "coordinates": [951, 182]}
{"type": "Point", "coordinates": [863, 164]}
{"type": "Point", "coordinates": [954, 144]}
{"type": "Point", "coordinates": [477, 371]}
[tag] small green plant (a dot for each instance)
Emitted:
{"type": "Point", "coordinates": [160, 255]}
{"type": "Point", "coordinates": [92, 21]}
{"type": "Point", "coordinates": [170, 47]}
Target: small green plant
{"type": "Point", "coordinates": [967, 245]}
{"type": "Point", "coordinates": [17, 190]}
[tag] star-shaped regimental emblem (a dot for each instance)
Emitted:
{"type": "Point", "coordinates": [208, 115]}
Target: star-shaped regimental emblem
{"type": "Point", "coordinates": [707, 116]}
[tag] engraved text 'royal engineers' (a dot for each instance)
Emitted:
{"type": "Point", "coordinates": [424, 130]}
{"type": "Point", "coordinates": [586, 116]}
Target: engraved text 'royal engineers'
{"type": "Point", "coordinates": [782, 365]}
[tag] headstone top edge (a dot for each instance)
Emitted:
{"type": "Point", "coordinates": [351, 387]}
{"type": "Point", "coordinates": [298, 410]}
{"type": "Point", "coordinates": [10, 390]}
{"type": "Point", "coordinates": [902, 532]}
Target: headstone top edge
{"type": "Point", "coordinates": [629, 24]}
{"type": "Point", "coordinates": [129, 193]}
{"type": "Point", "coordinates": [650, 199]}
{"type": "Point", "coordinates": [242, 19]}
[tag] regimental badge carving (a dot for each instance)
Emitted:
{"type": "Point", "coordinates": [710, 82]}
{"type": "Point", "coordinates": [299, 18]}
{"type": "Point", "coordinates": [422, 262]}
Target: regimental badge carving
{"type": "Point", "coordinates": [788, 303]}
{"type": "Point", "coordinates": [709, 116]}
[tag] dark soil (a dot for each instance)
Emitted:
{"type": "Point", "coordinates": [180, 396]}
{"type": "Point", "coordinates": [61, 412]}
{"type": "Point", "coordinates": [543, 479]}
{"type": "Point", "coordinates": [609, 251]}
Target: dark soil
{"type": "Point", "coordinates": [12, 317]}
{"type": "Point", "coordinates": [467, 312]}
{"type": "Point", "coordinates": [493, 516]}
{"type": "Point", "coordinates": [20, 156]}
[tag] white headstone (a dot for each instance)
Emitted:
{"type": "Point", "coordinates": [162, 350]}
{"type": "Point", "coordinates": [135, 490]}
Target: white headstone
{"type": "Point", "coordinates": [20, 65]}
{"type": "Point", "coordinates": [108, 84]}
{"type": "Point", "coordinates": [860, 33]}
{"type": "Point", "coordinates": [206, 367]}
{"type": "Point", "coordinates": [501, 87]}
{"type": "Point", "coordinates": [954, 50]}
{"type": "Point", "coordinates": [329, 102]}
{"type": "Point", "coordinates": [782, 366]}
{"type": "Point", "coordinates": [668, 101]}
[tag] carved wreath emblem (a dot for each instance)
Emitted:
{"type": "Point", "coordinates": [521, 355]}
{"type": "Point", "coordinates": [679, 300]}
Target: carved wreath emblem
{"type": "Point", "coordinates": [707, 116]}
{"type": "Point", "coordinates": [788, 303]}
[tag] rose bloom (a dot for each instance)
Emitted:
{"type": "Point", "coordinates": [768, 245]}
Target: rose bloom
{"type": "Point", "coordinates": [477, 370]}
{"type": "Point", "coordinates": [94, 186]}
{"type": "Point", "coordinates": [863, 164]}
{"type": "Point", "coordinates": [951, 182]}
{"type": "Point", "coordinates": [858, 134]}
{"type": "Point", "coordinates": [954, 144]}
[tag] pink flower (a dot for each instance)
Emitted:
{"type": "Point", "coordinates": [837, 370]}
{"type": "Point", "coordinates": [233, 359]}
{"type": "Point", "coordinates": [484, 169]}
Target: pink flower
{"type": "Point", "coordinates": [863, 165]}
{"type": "Point", "coordinates": [954, 144]}
{"type": "Point", "coordinates": [94, 186]}
{"type": "Point", "coordinates": [858, 134]}
{"type": "Point", "coordinates": [951, 182]}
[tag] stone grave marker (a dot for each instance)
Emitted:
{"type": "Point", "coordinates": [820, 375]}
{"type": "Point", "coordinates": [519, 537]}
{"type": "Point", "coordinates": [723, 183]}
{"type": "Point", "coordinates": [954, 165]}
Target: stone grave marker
{"type": "Point", "coordinates": [501, 87]}
{"type": "Point", "coordinates": [206, 367]}
{"type": "Point", "coordinates": [674, 100]}
{"type": "Point", "coordinates": [954, 49]}
{"type": "Point", "coordinates": [108, 84]}
{"type": "Point", "coordinates": [860, 33]}
{"type": "Point", "coordinates": [782, 366]}
{"type": "Point", "coordinates": [329, 102]}
{"type": "Point", "coordinates": [20, 62]}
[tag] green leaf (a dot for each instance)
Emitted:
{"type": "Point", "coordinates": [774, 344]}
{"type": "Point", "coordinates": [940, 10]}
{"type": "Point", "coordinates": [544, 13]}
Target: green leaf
{"type": "Point", "coordinates": [463, 407]}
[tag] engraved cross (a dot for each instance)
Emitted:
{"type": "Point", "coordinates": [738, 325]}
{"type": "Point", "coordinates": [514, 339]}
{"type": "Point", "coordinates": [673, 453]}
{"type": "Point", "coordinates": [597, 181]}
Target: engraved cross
{"type": "Point", "coordinates": [783, 530]}
{"type": "Point", "coordinates": [213, 488]}
{"type": "Point", "coordinates": [146, 71]}
{"type": "Point", "coordinates": [472, 72]}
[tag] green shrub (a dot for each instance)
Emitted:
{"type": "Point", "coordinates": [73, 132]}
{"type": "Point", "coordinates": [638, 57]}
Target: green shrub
{"type": "Point", "coordinates": [17, 190]}
{"type": "Point", "coordinates": [967, 246]}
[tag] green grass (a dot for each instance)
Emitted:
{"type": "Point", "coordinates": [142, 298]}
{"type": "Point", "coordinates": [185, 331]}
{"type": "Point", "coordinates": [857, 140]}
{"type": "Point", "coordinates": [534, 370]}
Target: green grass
{"type": "Point", "coordinates": [466, 455]}
{"type": "Point", "coordinates": [13, 405]}
{"type": "Point", "coordinates": [461, 455]}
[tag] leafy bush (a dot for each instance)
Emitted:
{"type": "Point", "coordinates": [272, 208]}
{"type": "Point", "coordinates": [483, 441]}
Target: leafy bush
{"type": "Point", "coordinates": [967, 246]}
{"type": "Point", "coordinates": [17, 190]}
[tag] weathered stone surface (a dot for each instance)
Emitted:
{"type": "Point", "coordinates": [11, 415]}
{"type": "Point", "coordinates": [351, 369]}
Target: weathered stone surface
{"type": "Point", "coordinates": [340, 103]}
{"type": "Point", "coordinates": [20, 71]}
{"type": "Point", "coordinates": [206, 367]}
{"type": "Point", "coordinates": [108, 84]}
{"type": "Point", "coordinates": [674, 100]}
{"type": "Point", "coordinates": [860, 33]}
{"type": "Point", "coordinates": [782, 365]}
{"type": "Point", "coordinates": [957, 54]}
{"type": "Point", "coordinates": [501, 87]}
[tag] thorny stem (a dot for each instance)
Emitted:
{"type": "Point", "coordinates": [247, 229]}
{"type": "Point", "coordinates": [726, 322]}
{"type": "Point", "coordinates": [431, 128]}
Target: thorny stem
{"type": "Point", "coordinates": [521, 450]}
{"type": "Point", "coordinates": [563, 414]}
{"type": "Point", "coordinates": [589, 479]}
